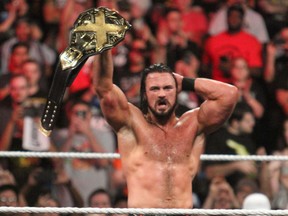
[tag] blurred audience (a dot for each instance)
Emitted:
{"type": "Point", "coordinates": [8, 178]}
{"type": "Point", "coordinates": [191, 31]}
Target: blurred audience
{"type": "Point", "coordinates": [275, 75]}
{"type": "Point", "coordinates": [280, 148]}
{"type": "Point", "coordinates": [99, 198]}
{"type": "Point", "coordinates": [280, 198]}
{"type": "Point", "coordinates": [9, 196]}
{"type": "Point", "coordinates": [8, 15]}
{"type": "Point", "coordinates": [36, 79]}
{"type": "Point", "coordinates": [37, 50]}
{"type": "Point", "coordinates": [220, 49]}
{"type": "Point", "coordinates": [196, 30]}
{"type": "Point", "coordinates": [253, 22]}
{"type": "Point", "coordinates": [129, 80]}
{"type": "Point", "coordinates": [233, 139]}
{"type": "Point", "coordinates": [82, 137]}
{"type": "Point", "coordinates": [46, 200]}
{"type": "Point", "coordinates": [250, 90]}
{"type": "Point", "coordinates": [49, 180]}
{"type": "Point", "coordinates": [172, 40]}
{"type": "Point", "coordinates": [220, 195]}
{"type": "Point", "coordinates": [245, 187]}
{"type": "Point", "coordinates": [274, 14]}
{"type": "Point", "coordinates": [19, 54]}
{"type": "Point", "coordinates": [253, 94]}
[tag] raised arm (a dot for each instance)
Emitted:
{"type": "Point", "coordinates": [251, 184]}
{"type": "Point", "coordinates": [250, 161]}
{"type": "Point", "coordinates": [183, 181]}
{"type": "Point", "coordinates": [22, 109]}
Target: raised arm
{"type": "Point", "coordinates": [114, 103]}
{"type": "Point", "coordinates": [219, 101]}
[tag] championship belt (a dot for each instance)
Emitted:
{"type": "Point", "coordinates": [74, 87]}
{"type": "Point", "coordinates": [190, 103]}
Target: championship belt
{"type": "Point", "coordinates": [94, 31]}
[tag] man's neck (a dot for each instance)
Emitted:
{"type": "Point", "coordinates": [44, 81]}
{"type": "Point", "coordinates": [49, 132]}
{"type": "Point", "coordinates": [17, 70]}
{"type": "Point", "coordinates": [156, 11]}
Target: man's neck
{"type": "Point", "coordinates": [234, 31]}
{"type": "Point", "coordinates": [162, 122]}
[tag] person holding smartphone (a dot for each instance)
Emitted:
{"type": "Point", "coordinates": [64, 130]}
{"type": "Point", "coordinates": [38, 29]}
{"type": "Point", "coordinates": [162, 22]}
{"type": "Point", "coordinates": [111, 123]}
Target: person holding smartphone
{"type": "Point", "coordinates": [82, 137]}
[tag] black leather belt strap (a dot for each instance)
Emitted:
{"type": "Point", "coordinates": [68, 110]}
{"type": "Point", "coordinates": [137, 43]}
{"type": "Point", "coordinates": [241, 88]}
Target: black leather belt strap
{"type": "Point", "coordinates": [94, 31]}
{"type": "Point", "coordinates": [61, 80]}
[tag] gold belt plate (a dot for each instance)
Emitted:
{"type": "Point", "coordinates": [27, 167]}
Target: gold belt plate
{"type": "Point", "coordinates": [94, 31]}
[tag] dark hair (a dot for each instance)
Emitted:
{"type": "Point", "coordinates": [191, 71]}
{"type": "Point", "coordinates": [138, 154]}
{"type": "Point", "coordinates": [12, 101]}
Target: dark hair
{"type": "Point", "coordinates": [30, 60]}
{"type": "Point", "coordinates": [10, 187]}
{"type": "Point", "coordinates": [170, 10]}
{"type": "Point", "coordinates": [240, 110]}
{"type": "Point", "coordinates": [14, 76]}
{"type": "Point", "coordinates": [119, 198]}
{"type": "Point", "coordinates": [124, 5]}
{"type": "Point", "coordinates": [22, 20]}
{"type": "Point", "coordinates": [252, 183]}
{"type": "Point", "coordinates": [236, 7]}
{"type": "Point", "coordinates": [155, 68]}
{"type": "Point", "coordinates": [19, 44]}
{"type": "Point", "coordinates": [79, 101]}
{"type": "Point", "coordinates": [96, 192]}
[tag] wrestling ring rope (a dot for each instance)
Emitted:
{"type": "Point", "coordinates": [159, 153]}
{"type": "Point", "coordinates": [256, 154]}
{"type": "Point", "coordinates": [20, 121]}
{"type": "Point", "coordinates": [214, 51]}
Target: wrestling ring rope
{"type": "Point", "coordinates": [150, 211]}
{"type": "Point", "coordinates": [89, 155]}
{"type": "Point", "coordinates": [140, 211]}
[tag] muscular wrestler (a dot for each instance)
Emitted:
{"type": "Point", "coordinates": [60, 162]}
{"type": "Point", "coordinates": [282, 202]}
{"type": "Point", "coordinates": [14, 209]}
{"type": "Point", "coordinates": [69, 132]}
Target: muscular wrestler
{"type": "Point", "coordinates": [160, 153]}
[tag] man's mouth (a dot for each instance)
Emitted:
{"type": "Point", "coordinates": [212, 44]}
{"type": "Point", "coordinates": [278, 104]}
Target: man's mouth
{"type": "Point", "coordinates": [162, 104]}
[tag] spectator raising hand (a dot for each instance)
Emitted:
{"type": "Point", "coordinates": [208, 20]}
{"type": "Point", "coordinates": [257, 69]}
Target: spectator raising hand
{"type": "Point", "coordinates": [220, 195]}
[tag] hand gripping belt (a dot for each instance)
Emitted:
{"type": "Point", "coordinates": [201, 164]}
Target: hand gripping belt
{"type": "Point", "coordinates": [94, 31]}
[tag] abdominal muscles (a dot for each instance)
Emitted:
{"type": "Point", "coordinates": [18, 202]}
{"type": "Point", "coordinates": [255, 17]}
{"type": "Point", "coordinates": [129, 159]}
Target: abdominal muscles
{"type": "Point", "coordinates": [156, 183]}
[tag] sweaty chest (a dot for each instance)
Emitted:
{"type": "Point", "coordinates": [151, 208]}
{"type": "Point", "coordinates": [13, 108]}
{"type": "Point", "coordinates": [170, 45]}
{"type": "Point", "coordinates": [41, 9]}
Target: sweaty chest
{"type": "Point", "coordinates": [171, 147]}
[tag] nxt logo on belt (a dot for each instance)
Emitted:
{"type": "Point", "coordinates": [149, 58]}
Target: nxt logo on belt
{"type": "Point", "coordinates": [95, 30]}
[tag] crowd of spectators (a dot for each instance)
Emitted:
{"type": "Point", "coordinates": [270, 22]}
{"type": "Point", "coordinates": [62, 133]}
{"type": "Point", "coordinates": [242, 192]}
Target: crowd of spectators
{"type": "Point", "coordinates": [241, 42]}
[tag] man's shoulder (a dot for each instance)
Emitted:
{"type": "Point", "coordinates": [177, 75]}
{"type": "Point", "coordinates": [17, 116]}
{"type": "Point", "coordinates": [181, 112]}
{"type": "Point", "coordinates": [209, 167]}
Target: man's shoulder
{"type": "Point", "coordinates": [136, 116]}
{"type": "Point", "coordinates": [218, 37]}
{"type": "Point", "coordinates": [249, 38]}
{"type": "Point", "coordinates": [247, 35]}
{"type": "Point", "coordinates": [252, 15]}
{"type": "Point", "coordinates": [189, 118]}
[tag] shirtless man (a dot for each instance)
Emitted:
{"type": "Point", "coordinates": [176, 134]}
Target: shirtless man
{"type": "Point", "coordinates": [160, 152]}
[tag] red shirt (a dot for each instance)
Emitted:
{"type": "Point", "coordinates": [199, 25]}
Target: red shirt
{"type": "Point", "coordinates": [241, 44]}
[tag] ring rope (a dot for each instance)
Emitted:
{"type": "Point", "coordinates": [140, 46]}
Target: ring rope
{"type": "Point", "coordinates": [89, 155]}
{"type": "Point", "coordinates": [62, 210]}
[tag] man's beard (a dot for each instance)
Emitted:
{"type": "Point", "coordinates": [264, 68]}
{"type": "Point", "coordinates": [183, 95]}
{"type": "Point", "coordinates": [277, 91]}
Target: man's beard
{"type": "Point", "coordinates": [162, 116]}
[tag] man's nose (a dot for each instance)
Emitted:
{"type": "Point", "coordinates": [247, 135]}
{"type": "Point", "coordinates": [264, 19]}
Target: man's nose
{"type": "Point", "coordinates": [162, 93]}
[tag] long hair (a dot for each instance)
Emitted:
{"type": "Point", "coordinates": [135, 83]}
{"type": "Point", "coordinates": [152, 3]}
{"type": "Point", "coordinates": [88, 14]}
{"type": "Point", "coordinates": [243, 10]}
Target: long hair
{"type": "Point", "coordinates": [155, 68]}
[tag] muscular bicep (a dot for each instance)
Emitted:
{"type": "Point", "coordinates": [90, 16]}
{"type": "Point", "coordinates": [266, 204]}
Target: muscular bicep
{"type": "Point", "coordinates": [211, 115]}
{"type": "Point", "coordinates": [115, 108]}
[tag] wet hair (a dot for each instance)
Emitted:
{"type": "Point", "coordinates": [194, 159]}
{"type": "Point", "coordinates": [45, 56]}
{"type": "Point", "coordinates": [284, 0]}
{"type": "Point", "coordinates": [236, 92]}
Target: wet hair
{"type": "Point", "coordinates": [155, 68]}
